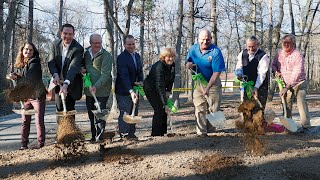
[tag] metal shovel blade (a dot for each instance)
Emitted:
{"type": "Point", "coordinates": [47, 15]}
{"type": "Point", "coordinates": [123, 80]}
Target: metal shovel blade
{"type": "Point", "coordinates": [25, 112]}
{"type": "Point", "coordinates": [131, 119]}
{"type": "Point", "coordinates": [67, 113]}
{"type": "Point", "coordinates": [269, 115]}
{"type": "Point", "coordinates": [101, 115]}
{"type": "Point", "coordinates": [289, 124]}
{"type": "Point", "coordinates": [216, 119]}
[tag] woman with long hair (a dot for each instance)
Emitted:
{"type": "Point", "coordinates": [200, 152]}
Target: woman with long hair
{"type": "Point", "coordinates": [157, 87]}
{"type": "Point", "coordinates": [27, 69]}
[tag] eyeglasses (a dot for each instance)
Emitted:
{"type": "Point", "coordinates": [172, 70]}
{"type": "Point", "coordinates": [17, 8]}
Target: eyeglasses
{"type": "Point", "coordinates": [95, 42]}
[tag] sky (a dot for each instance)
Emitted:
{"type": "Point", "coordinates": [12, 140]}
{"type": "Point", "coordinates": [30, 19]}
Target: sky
{"type": "Point", "coordinates": [96, 19]}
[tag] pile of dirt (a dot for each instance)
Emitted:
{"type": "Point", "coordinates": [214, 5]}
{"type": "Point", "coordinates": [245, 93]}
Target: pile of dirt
{"type": "Point", "coordinates": [252, 125]}
{"type": "Point", "coordinates": [120, 155]}
{"type": "Point", "coordinates": [220, 167]}
{"type": "Point", "coordinates": [70, 139]}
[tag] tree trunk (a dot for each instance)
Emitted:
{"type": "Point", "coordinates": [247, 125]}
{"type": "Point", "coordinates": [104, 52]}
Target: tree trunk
{"type": "Point", "coordinates": [214, 22]}
{"type": "Point", "coordinates": [115, 21]}
{"type": "Point", "coordinates": [254, 18]}
{"type": "Point", "coordinates": [2, 72]}
{"type": "Point", "coordinates": [277, 28]}
{"type": "Point", "coordinates": [304, 21]}
{"type": "Point", "coordinates": [270, 40]}
{"type": "Point", "coordinates": [177, 81]}
{"type": "Point", "coordinates": [190, 43]}
{"type": "Point", "coordinates": [270, 29]}
{"type": "Point", "coordinates": [291, 17]}
{"type": "Point", "coordinates": [141, 43]}
{"type": "Point", "coordinates": [310, 23]}
{"type": "Point", "coordinates": [110, 43]}
{"type": "Point", "coordinates": [261, 24]}
{"type": "Point", "coordinates": [8, 35]}
{"type": "Point", "coordinates": [30, 19]}
{"type": "Point", "coordinates": [60, 17]}
{"type": "Point", "coordinates": [237, 26]}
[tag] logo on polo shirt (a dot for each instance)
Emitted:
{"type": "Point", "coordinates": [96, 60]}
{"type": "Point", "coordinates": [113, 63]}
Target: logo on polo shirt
{"type": "Point", "coordinates": [209, 58]}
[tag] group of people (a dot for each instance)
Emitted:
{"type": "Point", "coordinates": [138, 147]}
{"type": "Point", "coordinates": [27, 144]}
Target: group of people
{"type": "Point", "coordinates": [68, 61]}
{"type": "Point", "coordinates": [288, 65]}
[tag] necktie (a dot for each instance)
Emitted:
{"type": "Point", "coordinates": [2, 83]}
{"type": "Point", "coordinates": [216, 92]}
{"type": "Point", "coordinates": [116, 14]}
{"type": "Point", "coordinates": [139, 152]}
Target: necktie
{"type": "Point", "coordinates": [134, 60]}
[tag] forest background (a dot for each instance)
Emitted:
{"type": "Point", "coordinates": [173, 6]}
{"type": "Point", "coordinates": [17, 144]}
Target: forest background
{"type": "Point", "coordinates": [161, 23]}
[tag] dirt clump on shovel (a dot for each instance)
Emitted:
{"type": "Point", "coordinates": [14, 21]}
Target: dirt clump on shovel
{"type": "Point", "coordinates": [24, 90]}
{"type": "Point", "coordinates": [70, 139]}
{"type": "Point", "coordinates": [252, 126]}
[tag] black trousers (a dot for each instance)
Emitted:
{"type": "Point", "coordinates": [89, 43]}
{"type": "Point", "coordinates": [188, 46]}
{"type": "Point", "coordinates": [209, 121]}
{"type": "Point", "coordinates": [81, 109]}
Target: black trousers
{"type": "Point", "coordinates": [159, 119]}
{"type": "Point", "coordinates": [90, 106]}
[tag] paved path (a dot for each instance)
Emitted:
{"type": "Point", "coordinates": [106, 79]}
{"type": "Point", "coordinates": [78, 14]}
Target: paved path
{"type": "Point", "coordinates": [10, 125]}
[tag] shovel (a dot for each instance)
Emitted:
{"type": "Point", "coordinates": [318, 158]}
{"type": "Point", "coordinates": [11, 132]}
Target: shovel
{"type": "Point", "coordinates": [99, 113]}
{"type": "Point", "coordinates": [100, 117]}
{"type": "Point", "coordinates": [216, 119]}
{"type": "Point", "coordinates": [288, 123]}
{"type": "Point", "coordinates": [131, 119]}
{"type": "Point", "coordinates": [65, 112]}
{"type": "Point", "coordinates": [22, 110]}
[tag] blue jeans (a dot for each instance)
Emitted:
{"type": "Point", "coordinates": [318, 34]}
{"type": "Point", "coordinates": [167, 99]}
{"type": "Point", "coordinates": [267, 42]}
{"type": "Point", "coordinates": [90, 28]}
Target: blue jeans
{"type": "Point", "coordinates": [125, 105]}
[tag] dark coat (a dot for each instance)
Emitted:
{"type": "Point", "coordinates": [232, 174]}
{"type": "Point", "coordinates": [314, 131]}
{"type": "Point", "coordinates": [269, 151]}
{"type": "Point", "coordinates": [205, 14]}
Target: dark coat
{"type": "Point", "coordinates": [160, 80]}
{"type": "Point", "coordinates": [31, 73]}
{"type": "Point", "coordinates": [71, 68]}
{"type": "Point", "coordinates": [127, 73]}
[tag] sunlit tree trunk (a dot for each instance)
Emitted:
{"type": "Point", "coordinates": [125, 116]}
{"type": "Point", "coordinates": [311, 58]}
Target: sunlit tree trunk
{"type": "Point", "coordinates": [254, 17]}
{"type": "Point", "coordinates": [141, 43]}
{"type": "Point", "coordinates": [277, 28]}
{"type": "Point", "coordinates": [291, 17]}
{"type": "Point", "coordinates": [304, 20]}
{"type": "Point", "coordinates": [60, 17]}
{"type": "Point", "coordinates": [30, 19]}
{"type": "Point", "coordinates": [190, 42]}
{"type": "Point", "coordinates": [177, 81]}
{"type": "Point", "coordinates": [214, 22]}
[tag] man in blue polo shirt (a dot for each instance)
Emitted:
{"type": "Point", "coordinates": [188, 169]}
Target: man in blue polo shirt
{"type": "Point", "coordinates": [210, 63]}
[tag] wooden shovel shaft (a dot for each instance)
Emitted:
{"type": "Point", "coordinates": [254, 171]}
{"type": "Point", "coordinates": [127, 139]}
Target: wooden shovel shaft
{"type": "Point", "coordinates": [96, 101]}
{"type": "Point", "coordinates": [63, 99]}
{"type": "Point", "coordinates": [134, 103]}
{"type": "Point", "coordinates": [284, 104]}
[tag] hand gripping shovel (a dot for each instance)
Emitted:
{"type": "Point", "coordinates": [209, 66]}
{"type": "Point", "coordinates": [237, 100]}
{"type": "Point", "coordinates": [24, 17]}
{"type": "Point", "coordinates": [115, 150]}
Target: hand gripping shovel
{"type": "Point", "coordinates": [288, 123]}
{"type": "Point", "coordinates": [65, 112]}
{"type": "Point", "coordinates": [216, 119]}
{"type": "Point", "coordinates": [22, 110]}
{"type": "Point", "coordinates": [131, 119]}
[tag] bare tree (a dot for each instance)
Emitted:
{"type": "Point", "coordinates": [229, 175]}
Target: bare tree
{"type": "Point", "coordinates": [254, 17]}
{"type": "Point", "coordinates": [177, 81]}
{"type": "Point", "coordinates": [60, 17]}
{"type": "Point", "coordinates": [214, 22]}
{"type": "Point", "coordinates": [141, 43]}
{"type": "Point", "coordinates": [115, 21]}
{"type": "Point", "coordinates": [291, 17]}
{"type": "Point", "coordinates": [277, 28]}
{"type": "Point", "coordinates": [304, 21]}
{"type": "Point", "coordinates": [30, 21]}
{"type": "Point", "coordinates": [110, 43]}
{"type": "Point", "coordinates": [190, 41]}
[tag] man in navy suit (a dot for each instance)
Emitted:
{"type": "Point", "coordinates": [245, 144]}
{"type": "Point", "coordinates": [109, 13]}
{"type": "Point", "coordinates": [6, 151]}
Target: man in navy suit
{"type": "Point", "coordinates": [64, 63]}
{"type": "Point", "coordinates": [129, 73]}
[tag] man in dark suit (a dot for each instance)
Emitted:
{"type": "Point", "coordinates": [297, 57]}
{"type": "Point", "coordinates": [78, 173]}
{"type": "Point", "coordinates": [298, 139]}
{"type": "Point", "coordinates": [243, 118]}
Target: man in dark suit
{"type": "Point", "coordinates": [129, 73]}
{"type": "Point", "coordinates": [64, 63]}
